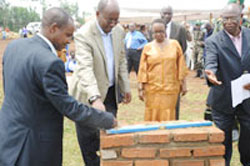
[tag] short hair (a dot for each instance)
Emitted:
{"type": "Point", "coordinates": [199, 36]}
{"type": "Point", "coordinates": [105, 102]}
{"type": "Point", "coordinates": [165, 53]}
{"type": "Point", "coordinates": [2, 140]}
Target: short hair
{"type": "Point", "coordinates": [103, 4]}
{"type": "Point", "coordinates": [56, 15]}
{"type": "Point", "coordinates": [159, 21]}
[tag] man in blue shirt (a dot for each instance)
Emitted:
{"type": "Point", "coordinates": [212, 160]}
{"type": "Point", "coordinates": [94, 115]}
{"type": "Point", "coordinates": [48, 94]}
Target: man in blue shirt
{"type": "Point", "coordinates": [134, 42]}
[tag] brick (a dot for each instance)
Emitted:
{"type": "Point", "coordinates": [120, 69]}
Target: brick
{"type": "Point", "coordinates": [188, 163]}
{"type": "Point", "coordinates": [138, 152]}
{"type": "Point", "coordinates": [117, 163]}
{"type": "Point", "coordinates": [108, 154]}
{"type": "Point", "coordinates": [190, 135]}
{"type": "Point", "coordinates": [175, 152]}
{"type": "Point", "coordinates": [217, 162]}
{"type": "Point", "coordinates": [155, 137]}
{"type": "Point", "coordinates": [218, 150]}
{"type": "Point", "coordinates": [151, 163]}
{"type": "Point", "coordinates": [111, 141]}
{"type": "Point", "coordinates": [216, 135]}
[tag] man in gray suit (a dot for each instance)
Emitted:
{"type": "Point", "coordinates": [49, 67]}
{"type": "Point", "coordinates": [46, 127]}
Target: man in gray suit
{"type": "Point", "coordinates": [227, 58]}
{"type": "Point", "coordinates": [177, 32]}
{"type": "Point", "coordinates": [101, 71]}
{"type": "Point", "coordinates": [36, 97]}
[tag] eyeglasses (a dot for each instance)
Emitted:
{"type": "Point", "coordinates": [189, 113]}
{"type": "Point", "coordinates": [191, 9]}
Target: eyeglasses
{"type": "Point", "coordinates": [232, 19]}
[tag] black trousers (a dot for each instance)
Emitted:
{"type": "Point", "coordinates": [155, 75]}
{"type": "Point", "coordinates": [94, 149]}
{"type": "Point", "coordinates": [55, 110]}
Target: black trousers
{"type": "Point", "coordinates": [177, 108]}
{"type": "Point", "coordinates": [133, 58]}
{"type": "Point", "coordinates": [225, 121]}
{"type": "Point", "coordinates": [89, 138]}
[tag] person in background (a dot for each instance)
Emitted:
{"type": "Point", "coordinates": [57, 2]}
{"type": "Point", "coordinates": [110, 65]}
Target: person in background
{"type": "Point", "coordinates": [134, 42]}
{"type": "Point", "coordinates": [36, 97]}
{"type": "Point", "coordinates": [177, 32]}
{"type": "Point", "coordinates": [198, 49]}
{"type": "Point", "coordinates": [227, 58]}
{"type": "Point", "coordinates": [144, 31]}
{"type": "Point", "coordinates": [70, 64]}
{"type": "Point", "coordinates": [24, 32]}
{"type": "Point", "coordinates": [161, 75]}
{"type": "Point", "coordinates": [100, 73]}
{"type": "Point", "coordinates": [4, 34]}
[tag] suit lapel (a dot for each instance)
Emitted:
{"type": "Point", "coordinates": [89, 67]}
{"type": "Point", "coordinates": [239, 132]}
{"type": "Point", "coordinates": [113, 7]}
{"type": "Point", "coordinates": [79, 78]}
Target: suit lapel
{"type": "Point", "coordinates": [227, 43]}
{"type": "Point", "coordinates": [172, 31]}
{"type": "Point", "coordinates": [100, 45]}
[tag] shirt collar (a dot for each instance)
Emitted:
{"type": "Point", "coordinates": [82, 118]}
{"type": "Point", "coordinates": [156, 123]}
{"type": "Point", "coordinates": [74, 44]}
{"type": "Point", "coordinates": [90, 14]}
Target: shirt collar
{"type": "Point", "coordinates": [169, 24]}
{"type": "Point", "coordinates": [102, 32]}
{"type": "Point", "coordinates": [48, 42]}
{"type": "Point", "coordinates": [234, 37]}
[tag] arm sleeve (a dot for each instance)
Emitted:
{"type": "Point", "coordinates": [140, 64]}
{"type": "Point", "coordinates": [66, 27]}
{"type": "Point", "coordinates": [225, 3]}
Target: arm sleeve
{"type": "Point", "coordinates": [183, 41]}
{"type": "Point", "coordinates": [55, 89]}
{"type": "Point", "coordinates": [211, 59]}
{"type": "Point", "coordinates": [84, 58]}
{"type": "Point", "coordinates": [123, 79]}
{"type": "Point", "coordinates": [142, 73]}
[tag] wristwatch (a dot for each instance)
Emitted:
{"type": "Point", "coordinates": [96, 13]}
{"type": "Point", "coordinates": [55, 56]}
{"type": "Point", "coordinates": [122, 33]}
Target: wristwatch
{"type": "Point", "coordinates": [93, 98]}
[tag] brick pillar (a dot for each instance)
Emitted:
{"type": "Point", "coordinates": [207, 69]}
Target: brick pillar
{"type": "Point", "coordinates": [200, 146]}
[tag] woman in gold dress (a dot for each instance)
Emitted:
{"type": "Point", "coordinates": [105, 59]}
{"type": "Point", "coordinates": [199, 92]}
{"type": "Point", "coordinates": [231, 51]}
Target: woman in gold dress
{"type": "Point", "coordinates": [161, 75]}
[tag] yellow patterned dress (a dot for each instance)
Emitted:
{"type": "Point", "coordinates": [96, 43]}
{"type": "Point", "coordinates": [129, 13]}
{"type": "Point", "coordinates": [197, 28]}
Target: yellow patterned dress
{"type": "Point", "coordinates": [161, 72]}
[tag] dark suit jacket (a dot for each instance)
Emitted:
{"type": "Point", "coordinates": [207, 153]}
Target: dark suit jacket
{"type": "Point", "coordinates": [36, 99]}
{"type": "Point", "coordinates": [178, 33]}
{"type": "Point", "coordinates": [224, 60]}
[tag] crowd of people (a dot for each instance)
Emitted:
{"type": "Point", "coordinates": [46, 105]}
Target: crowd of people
{"type": "Point", "coordinates": [31, 118]}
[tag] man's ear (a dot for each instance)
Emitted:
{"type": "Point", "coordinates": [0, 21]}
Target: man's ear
{"type": "Point", "coordinates": [97, 13]}
{"type": "Point", "coordinates": [53, 28]}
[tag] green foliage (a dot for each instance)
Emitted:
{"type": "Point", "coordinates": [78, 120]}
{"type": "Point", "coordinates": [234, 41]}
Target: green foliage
{"type": "Point", "coordinates": [17, 17]}
{"type": "Point", "coordinates": [73, 10]}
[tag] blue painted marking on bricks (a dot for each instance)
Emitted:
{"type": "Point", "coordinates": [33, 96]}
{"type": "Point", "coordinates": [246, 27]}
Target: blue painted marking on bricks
{"type": "Point", "coordinates": [140, 128]}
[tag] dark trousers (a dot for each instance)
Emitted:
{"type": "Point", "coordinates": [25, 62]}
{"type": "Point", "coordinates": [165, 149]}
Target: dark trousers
{"type": "Point", "coordinates": [89, 139]}
{"type": "Point", "coordinates": [225, 121]}
{"type": "Point", "coordinates": [133, 58]}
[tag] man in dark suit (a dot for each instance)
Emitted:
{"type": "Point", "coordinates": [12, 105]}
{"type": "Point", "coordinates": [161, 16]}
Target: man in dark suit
{"type": "Point", "coordinates": [227, 59]}
{"type": "Point", "coordinates": [177, 32]}
{"type": "Point", "coordinates": [36, 97]}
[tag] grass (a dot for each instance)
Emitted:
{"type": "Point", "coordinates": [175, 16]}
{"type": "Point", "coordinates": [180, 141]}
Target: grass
{"type": "Point", "coordinates": [192, 108]}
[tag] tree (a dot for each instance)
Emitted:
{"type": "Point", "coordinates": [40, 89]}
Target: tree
{"type": "Point", "coordinates": [73, 10]}
{"type": "Point", "coordinates": [4, 13]}
{"type": "Point", "coordinates": [17, 17]}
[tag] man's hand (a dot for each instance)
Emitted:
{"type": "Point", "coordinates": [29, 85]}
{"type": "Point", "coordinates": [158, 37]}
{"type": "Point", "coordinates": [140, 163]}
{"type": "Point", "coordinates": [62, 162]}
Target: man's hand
{"type": "Point", "coordinates": [115, 123]}
{"type": "Point", "coordinates": [98, 104]}
{"type": "Point", "coordinates": [212, 78]}
{"type": "Point", "coordinates": [127, 98]}
{"type": "Point", "coordinates": [247, 86]}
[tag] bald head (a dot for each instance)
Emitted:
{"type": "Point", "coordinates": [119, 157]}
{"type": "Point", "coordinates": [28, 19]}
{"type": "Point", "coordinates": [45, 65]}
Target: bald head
{"type": "Point", "coordinates": [56, 16]}
{"type": "Point", "coordinates": [232, 10]}
{"type": "Point", "coordinates": [107, 4]}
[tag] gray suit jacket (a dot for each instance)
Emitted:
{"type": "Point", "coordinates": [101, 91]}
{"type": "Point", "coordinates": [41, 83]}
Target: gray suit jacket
{"type": "Point", "coordinates": [178, 33]}
{"type": "Point", "coordinates": [91, 75]}
{"type": "Point", "coordinates": [36, 99]}
{"type": "Point", "coordinates": [224, 60]}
